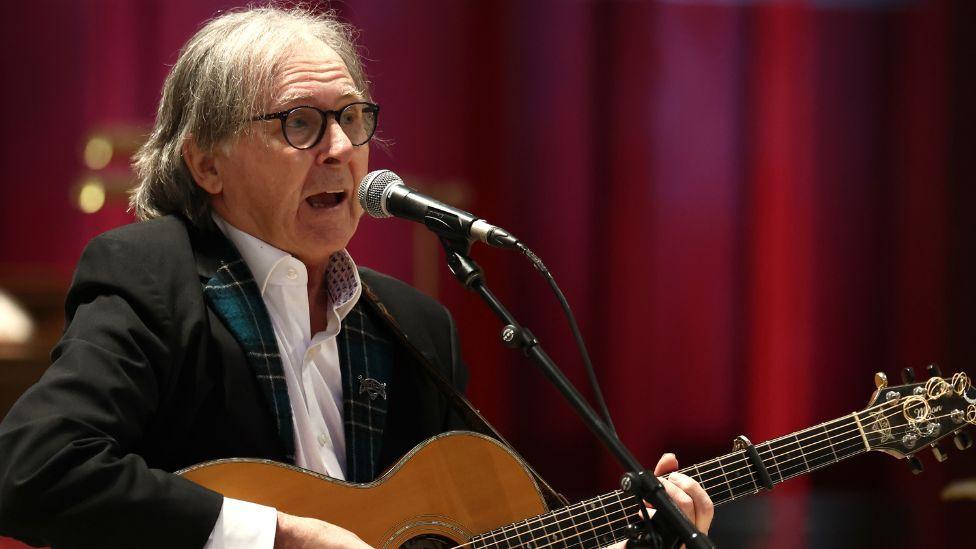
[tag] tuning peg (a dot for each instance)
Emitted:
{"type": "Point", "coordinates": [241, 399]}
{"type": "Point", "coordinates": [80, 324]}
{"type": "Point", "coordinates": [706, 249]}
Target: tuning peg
{"type": "Point", "coordinates": [908, 375]}
{"type": "Point", "coordinates": [940, 456]}
{"type": "Point", "coordinates": [880, 380]}
{"type": "Point", "coordinates": [934, 370]}
{"type": "Point", "coordinates": [963, 440]}
{"type": "Point", "coordinates": [915, 465]}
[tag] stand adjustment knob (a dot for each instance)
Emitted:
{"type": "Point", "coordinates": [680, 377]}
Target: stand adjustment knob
{"type": "Point", "coordinates": [510, 336]}
{"type": "Point", "coordinates": [940, 456]}
{"type": "Point", "coordinates": [962, 440]}
{"type": "Point", "coordinates": [915, 465]}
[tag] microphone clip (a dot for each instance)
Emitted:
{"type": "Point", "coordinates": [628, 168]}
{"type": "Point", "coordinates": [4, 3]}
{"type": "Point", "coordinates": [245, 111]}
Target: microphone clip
{"type": "Point", "coordinates": [464, 269]}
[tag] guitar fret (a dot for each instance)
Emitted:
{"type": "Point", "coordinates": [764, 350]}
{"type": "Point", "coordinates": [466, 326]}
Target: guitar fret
{"type": "Point", "coordinates": [553, 529]}
{"type": "Point", "coordinates": [721, 467]}
{"type": "Point", "coordinates": [829, 443]}
{"type": "Point", "coordinates": [573, 514]}
{"type": "Point", "coordinates": [604, 531]}
{"type": "Point", "coordinates": [800, 448]}
{"type": "Point", "coordinates": [625, 513]}
{"type": "Point", "coordinates": [508, 535]}
{"type": "Point", "coordinates": [482, 540]}
{"type": "Point", "coordinates": [742, 469]}
{"type": "Point", "coordinates": [772, 456]}
{"type": "Point", "coordinates": [850, 432]}
{"type": "Point", "coordinates": [784, 456]}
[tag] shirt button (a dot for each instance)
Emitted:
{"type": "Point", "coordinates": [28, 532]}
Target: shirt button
{"type": "Point", "coordinates": [291, 273]}
{"type": "Point", "coordinates": [323, 439]}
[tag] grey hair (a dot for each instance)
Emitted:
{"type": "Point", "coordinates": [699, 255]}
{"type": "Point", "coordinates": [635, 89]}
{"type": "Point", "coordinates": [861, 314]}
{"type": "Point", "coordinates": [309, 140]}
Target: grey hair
{"type": "Point", "coordinates": [224, 76]}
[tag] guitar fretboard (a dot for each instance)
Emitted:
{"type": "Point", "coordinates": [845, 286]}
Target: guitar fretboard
{"type": "Point", "coordinates": [600, 521]}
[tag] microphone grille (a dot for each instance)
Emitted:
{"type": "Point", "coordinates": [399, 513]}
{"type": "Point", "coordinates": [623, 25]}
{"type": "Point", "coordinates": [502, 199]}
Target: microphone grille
{"type": "Point", "coordinates": [372, 191]}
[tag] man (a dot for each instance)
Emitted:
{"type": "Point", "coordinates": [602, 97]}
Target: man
{"type": "Point", "coordinates": [232, 322]}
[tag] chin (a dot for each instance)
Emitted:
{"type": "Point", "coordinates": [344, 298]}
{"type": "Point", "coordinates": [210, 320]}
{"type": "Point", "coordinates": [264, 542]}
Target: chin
{"type": "Point", "coordinates": [321, 252]}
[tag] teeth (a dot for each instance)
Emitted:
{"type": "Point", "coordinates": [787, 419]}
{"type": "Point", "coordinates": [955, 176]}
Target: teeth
{"type": "Point", "coordinates": [326, 199]}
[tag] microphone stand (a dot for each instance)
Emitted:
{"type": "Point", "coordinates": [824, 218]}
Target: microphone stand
{"type": "Point", "coordinates": [638, 482]}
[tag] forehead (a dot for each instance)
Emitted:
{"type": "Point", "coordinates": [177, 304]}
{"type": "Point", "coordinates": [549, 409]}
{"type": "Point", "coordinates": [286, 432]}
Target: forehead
{"type": "Point", "coordinates": [313, 73]}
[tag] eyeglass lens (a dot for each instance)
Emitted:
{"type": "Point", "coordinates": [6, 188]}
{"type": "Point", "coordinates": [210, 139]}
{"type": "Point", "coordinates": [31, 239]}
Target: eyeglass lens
{"type": "Point", "coordinates": [303, 126]}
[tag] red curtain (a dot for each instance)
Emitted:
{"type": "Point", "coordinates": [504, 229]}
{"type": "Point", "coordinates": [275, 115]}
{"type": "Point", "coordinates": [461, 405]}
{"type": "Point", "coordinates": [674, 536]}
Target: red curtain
{"type": "Point", "coordinates": [752, 207]}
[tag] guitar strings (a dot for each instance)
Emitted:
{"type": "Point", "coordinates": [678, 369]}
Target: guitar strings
{"type": "Point", "coordinates": [787, 465]}
{"type": "Point", "coordinates": [791, 462]}
{"type": "Point", "coordinates": [597, 501]}
{"type": "Point", "coordinates": [608, 520]}
{"type": "Point", "coordinates": [606, 517]}
{"type": "Point", "coordinates": [857, 429]}
{"type": "Point", "coordinates": [931, 392]}
{"type": "Point", "coordinates": [732, 495]}
{"type": "Point", "coordinates": [554, 519]}
{"type": "Point", "coordinates": [769, 444]}
{"type": "Point", "coordinates": [771, 453]}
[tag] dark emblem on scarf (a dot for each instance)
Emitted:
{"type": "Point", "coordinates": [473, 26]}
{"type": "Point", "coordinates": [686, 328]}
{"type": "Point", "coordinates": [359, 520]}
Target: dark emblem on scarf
{"type": "Point", "coordinates": [372, 387]}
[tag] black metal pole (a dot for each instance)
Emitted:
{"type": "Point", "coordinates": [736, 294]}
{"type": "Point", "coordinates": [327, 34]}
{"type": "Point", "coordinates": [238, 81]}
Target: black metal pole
{"type": "Point", "coordinates": [643, 485]}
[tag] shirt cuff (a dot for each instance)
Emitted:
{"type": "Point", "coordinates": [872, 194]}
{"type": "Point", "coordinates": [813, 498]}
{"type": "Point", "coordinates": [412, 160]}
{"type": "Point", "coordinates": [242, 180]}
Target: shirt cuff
{"type": "Point", "coordinates": [243, 525]}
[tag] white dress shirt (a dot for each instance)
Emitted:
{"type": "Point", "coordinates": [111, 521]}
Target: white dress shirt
{"type": "Point", "coordinates": [312, 374]}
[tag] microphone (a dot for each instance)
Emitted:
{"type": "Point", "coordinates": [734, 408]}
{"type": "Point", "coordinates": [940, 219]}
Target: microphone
{"type": "Point", "coordinates": [383, 194]}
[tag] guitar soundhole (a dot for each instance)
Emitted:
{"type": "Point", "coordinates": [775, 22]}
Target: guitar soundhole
{"type": "Point", "coordinates": [429, 541]}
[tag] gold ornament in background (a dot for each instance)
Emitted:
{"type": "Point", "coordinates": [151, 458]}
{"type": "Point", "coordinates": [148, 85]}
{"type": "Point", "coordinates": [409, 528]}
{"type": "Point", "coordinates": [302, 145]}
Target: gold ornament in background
{"type": "Point", "coordinates": [108, 176]}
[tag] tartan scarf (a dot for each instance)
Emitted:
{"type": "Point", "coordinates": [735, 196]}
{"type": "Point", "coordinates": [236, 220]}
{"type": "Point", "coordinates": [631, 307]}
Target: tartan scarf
{"type": "Point", "coordinates": [365, 358]}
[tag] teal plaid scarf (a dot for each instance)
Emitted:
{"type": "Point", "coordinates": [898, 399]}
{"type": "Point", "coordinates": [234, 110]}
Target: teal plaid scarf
{"type": "Point", "coordinates": [235, 297]}
{"type": "Point", "coordinates": [365, 357]}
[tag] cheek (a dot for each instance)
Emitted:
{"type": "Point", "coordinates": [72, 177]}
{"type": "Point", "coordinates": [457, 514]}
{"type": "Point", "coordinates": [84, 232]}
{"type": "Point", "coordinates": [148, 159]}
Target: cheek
{"type": "Point", "coordinates": [358, 166]}
{"type": "Point", "coordinates": [265, 184]}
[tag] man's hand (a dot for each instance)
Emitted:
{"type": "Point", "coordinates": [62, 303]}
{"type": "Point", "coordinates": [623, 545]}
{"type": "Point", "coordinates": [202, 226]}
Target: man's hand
{"type": "Point", "coordinates": [307, 533]}
{"type": "Point", "coordinates": [687, 494]}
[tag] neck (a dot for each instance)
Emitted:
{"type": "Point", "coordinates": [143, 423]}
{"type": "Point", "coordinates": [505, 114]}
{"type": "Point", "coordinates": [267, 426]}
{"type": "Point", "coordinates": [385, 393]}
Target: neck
{"type": "Point", "coordinates": [602, 520]}
{"type": "Point", "coordinates": [318, 298]}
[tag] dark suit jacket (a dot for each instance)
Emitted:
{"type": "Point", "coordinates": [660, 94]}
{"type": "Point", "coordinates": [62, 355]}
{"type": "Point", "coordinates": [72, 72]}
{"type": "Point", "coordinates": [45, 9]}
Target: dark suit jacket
{"type": "Point", "coordinates": [150, 378]}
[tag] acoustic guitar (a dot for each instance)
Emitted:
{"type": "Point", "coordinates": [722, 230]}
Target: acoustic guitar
{"type": "Point", "coordinates": [465, 489]}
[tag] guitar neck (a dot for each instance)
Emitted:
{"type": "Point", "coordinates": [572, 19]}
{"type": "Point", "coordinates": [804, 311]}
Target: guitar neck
{"type": "Point", "coordinates": [601, 520]}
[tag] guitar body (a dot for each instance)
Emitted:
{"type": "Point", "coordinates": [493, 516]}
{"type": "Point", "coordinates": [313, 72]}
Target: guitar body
{"type": "Point", "coordinates": [442, 493]}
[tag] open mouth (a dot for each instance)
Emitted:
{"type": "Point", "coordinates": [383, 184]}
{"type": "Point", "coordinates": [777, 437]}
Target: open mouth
{"type": "Point", "coordinates": [326, 199]}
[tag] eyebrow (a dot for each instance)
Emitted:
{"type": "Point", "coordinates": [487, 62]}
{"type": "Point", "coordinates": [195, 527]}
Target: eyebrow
{"type": "Point", "coordinates": [349, 93]}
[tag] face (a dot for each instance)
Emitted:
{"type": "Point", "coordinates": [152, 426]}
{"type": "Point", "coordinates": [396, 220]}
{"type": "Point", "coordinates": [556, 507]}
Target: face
{"type": "Point", "coordinates": [300, 201]}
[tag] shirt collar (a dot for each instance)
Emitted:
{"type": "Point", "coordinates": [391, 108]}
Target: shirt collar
{"type": "Point", "coordinates": [341, 276]}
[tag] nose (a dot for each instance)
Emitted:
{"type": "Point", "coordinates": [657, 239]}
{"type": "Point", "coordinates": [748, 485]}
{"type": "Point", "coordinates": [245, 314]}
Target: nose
{"type": "Point", "coordinates": [335, 147]}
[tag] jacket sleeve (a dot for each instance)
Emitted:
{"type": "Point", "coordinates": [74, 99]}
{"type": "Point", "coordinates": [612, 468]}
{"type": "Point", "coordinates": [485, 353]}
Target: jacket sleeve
{"type": "Point", "coordinates": [69, 476]}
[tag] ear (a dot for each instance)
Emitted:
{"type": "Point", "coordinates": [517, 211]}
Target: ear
{"type": "Point", "coordinates": [202, 166]}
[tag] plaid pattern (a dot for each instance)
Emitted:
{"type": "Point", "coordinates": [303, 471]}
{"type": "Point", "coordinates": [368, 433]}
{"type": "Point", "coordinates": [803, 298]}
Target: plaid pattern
{"type": "Point", "coordinates": [365, 352]}
{"type": "Point", "coordinates": [236, 298]}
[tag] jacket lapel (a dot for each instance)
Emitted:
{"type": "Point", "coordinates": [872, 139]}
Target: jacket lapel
{"type": "Point", "coordinates": [366, 357]}
{"type": "Point", "coordinates": [230, 291]}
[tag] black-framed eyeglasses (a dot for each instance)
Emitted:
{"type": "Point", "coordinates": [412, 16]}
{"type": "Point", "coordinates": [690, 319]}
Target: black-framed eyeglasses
{"type": "Point", "coordinates": [304, 126]}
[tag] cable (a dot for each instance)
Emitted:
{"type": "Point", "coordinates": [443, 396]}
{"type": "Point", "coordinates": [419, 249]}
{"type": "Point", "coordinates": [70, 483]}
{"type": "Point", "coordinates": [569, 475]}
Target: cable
{"type": "Point", "coordinates": [580, 344]}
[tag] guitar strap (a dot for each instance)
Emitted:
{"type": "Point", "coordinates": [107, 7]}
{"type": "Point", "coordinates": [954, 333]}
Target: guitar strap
{"type": "Point", "coordinates": [474, 420]}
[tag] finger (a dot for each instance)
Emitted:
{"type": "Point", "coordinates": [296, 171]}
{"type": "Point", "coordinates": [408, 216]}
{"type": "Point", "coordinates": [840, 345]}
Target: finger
{"type": "Point", "coordinates": [666, 464]}
{"type": "Point", "coordinates": [682, 500]}
{"type": "Point", "coordinates": [704, 509]}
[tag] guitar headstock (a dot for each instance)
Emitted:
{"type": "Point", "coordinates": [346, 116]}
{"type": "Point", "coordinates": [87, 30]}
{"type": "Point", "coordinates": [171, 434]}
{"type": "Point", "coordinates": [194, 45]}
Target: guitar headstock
{"type": "Point", "coordinates": [904, 419]}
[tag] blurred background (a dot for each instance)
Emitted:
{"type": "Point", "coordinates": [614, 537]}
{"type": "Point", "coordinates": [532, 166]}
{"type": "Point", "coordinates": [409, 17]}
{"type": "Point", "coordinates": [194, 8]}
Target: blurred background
{"type": "Point", "coordinates": [751, 205]}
